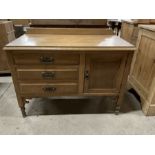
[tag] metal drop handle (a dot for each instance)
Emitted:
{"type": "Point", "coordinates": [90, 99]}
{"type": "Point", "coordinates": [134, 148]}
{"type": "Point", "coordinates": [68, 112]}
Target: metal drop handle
{"type": "Point", "coordinates": [46, 59]}
{"type": "Point", "coordinates": [49, 89]}
{"type": "Point", "coordinates": [48, 75]}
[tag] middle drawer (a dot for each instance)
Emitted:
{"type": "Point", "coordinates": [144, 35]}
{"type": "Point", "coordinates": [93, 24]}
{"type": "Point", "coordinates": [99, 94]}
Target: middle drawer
{"type": "Point", "coordinates": [62, 73]}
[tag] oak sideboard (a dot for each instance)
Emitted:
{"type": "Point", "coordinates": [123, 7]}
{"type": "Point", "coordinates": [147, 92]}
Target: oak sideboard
{"type": "Point", "coordinates": [6, 35]}
{"type": "Point", "coordinates": [46, 65]}
{"type": "Point", "coordinates": [130, 30]}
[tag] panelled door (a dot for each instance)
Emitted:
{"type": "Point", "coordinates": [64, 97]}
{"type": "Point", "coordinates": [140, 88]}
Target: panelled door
{"type": "Point", "coordinates": [104, 72]}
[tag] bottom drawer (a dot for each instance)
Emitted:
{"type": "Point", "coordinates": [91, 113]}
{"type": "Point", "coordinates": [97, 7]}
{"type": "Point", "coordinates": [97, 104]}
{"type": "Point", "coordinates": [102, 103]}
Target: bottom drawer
{"type": "Point", "coordinates": [49, 89]}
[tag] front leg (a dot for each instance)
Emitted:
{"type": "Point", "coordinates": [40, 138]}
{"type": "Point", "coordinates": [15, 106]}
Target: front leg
{"type": "Point", "coordinates": [117, 109]}
{"type": "Point", "coordinates": [23, 111]}
{"type": "Point", "coordinates": [22, 106]}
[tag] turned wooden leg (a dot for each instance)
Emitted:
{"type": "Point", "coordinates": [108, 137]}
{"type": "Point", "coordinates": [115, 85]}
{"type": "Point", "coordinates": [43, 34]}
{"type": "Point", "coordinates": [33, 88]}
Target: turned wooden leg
{"type": "Point", "coordinates": [117, 109]}
{"type": "Point", "coordinates": [21, 102]}
{"type": "Point", "coordinates": [23, 111]}
{"type": "Point", "coordinates": [118, 104]}
{"type": "Point", "coordinates": [22, 107]}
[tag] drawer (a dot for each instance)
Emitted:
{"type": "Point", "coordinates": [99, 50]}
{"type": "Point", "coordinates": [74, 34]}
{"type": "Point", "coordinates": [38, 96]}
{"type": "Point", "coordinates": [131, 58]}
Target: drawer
{"type": "Point", "coordinates": [54, 74]}
{"type": "Point", "coordinates": [21, 58]}
{"type": "Point", "coordinates": [49, 89]}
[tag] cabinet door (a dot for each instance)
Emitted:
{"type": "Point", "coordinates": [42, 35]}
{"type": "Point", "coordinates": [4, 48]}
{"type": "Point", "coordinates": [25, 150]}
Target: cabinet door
{"type": "Point", "coordinates": [104, 72]}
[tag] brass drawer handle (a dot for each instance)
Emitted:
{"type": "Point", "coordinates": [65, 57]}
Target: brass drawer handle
{"type": "Point", "coordinates": [49, 89]}
{"type": "Point", "coordinates": [48, 75]}
{"type": "Point", "coordinates": [46, 60]}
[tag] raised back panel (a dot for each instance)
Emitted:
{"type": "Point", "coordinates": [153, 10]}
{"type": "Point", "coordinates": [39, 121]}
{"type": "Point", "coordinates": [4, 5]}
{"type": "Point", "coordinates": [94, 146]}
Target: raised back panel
{"type": "Point", "coordinates": [69, 22]}
{"type": "Point", "coordinates": [72, 31]}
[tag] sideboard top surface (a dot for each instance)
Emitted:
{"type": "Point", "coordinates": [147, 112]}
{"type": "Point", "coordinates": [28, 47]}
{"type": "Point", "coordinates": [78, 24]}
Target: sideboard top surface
{"type": "Point", "coordinates": [45, 41]}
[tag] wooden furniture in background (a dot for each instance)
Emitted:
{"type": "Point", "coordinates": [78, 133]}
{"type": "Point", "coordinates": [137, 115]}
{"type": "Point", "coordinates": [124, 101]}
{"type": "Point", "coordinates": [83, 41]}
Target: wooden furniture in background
{"type": "Point", "coordinates": [23, 22]}
{"type": "Point", "coordinates": [129, 29]}
{"type": "Point", "coordinates": [19, 26]}
{"type": "Point", "coordinates": [142, 76]}
{"type": "Point", "coordinates": [6, 36]}
{"type": "Point", "coordinates": [44, 65]}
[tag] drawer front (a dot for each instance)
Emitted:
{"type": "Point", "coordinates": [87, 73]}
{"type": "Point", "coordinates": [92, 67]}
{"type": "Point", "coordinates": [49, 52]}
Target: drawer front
{"type": "Point", "coordinates": [46, 58]}
{"type": "Point", "coordinates": [49, 89]}
{"type": "Point", "coordinates": [70, 74]}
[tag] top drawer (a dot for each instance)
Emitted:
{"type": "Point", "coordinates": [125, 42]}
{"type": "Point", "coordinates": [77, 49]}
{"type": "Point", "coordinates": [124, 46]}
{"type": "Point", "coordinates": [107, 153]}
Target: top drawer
{"type": "Point", "coordinates": [45, 58]}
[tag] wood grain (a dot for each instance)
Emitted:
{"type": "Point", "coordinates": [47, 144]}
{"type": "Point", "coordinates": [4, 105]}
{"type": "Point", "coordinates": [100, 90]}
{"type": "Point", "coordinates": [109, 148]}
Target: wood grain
{"type": "Point", "coordinates": [104, 72]}
{"type": "Point", "coordinates": [45, 89]}
{"type": "Point", "coordinates": [31, 58]}
{"type": "Point", "coordinates": [67, 22]}
{"type": "Point", "coordinates": [104, 56]}
{"type": "Point", "coordinates": [71, 31]}
{"type": "Point", "coordinates": [129, 32]}
{"type": "Point", "coordinates": [48, 75]}
{"type": "Point", "coordinates": [6, 36]}
{"type": "Point", "coordinates": [142, 76]}
{"type": "Point", "coordinates": [60, 41]}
